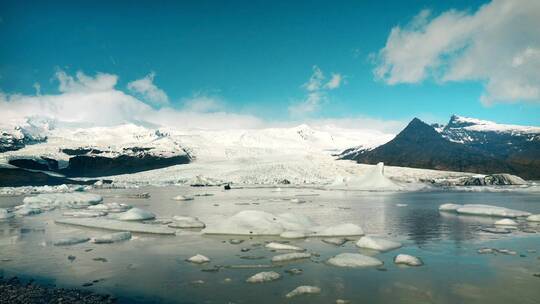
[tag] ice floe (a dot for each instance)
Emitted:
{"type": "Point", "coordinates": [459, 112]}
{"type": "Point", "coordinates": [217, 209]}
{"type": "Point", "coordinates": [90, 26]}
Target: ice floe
{"type": "Point", "coordinates": [483, 210]}
{"type": "Point", "coordinates": [198, 259]}
{"type": "Point", "coordinates": [110, 207]}
{"type": "Point", "coordinates": [506, 222]}
{"type": "Point", "coordinates": [409, 260]}
{"type": "Point", "coordinates": [488, 210]}
{"type": "Point", "coordinates": [111, 224]}
{"type": "Point", "coordinates": [71, 241]}
{"type": "Point", "coordinates": [335, 241]}
{"type": "Point", "coordinates": [5, 214]}
{"type": "Point", "coordinates": [292, 235]}
{"type": "Point", "coordinates": [24, 210]}
{"type": "Point", "coordinates": [534, 218]}
{"type": "Point", "coordinates": [136, 214]}
{"type": "Point", "coordinates": [84, 213]}
{"type": "Point", "coordinates": [112, 237]}
{"type": "Point", "coordinates": [346, 229]}
{"type": "Point", "coordinates": [287, 257]}
{"type": "Point", "coordinates": [279, 246]}
{"type": "Point", "coordinates": [62, 200]}
{"type": "Point", "coordinates": [302, 290]}
{"type": "Point", "coordinates": [376, 243]}
{"type": "Point", "coordinates": [186, 222]}
{"type": "Point", "coordinates": [265, 276]}
{"type": "Point", "coordinates": [183, 198]}
{"type": "Point", "coordinates": [353, 260]}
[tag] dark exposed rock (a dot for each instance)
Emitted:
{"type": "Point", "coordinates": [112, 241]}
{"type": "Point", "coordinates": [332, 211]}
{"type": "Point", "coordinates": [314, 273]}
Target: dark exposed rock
{"type": "Point", "coordinates": [94, 166]}
{"type": "Point", "coordinates": [81, 151]}
{"type": "Point", "coordinates": [14, 177]}
{"type": "Point", "coordinates": [419, 145]}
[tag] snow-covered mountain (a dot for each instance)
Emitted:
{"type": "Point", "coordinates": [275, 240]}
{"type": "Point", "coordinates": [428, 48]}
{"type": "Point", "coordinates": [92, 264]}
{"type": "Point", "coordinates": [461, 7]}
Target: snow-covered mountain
{"type": "Point", "coordinates": [464, 144]}
{"type": "Point", "coordinates": [126, 149]}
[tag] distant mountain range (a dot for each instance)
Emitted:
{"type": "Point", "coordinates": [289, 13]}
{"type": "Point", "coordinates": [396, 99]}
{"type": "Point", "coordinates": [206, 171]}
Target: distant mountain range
{"type": "Point", "coordinates": [464, 144]}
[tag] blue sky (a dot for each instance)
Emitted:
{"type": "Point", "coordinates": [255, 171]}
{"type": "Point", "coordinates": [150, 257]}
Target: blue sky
{"type": "Point", "coordinates": [253, 57]}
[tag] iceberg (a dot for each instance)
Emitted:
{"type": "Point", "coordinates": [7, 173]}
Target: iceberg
{"type": "Point", "coordinates": [287, 257]}
{"type": "Point", "coordinates": [265, 276]}
{"type": "Point", "coordinates": [198, 259]}
{"type": "Point", "coordinates": [183, 198]}
{"type": "Point", "coordinates": [335, 241]}
{"type": "Point", "coordinates": [506, 222]}
{"type": "Point", "coordinates": [409, 260]}
{"type": "Point", "coordinates": [24, 210]}
{"type": "Point", "coordinates": [185, 222]}
{"type": "Point", "coordinates": [71, 241]}
{"type": "Point", "coordinates": [112, 238]}
{"type": "Point", "coordinates": [111, 224]}
{"type": "Point", "coordinates": [279, 246]}
{"type": "Point", "coordinates": [346, 229]}
{"type": "Point", "coordinates": [62, 200]}
{"type": "Point", "coordinates": [353, 260]}
{"type": "Point", "coordinates": [378, 244]}
{"type": "Point", "coordinates": [302, 290]}
{"type": "Point", "coordinates": [372, 180]}
{"type": "Point", "coordinates": [136, 214]}
{"type": "Point", "coordinates": [5, 214]}
{"type": "Point", "coordinates": [248, 222]}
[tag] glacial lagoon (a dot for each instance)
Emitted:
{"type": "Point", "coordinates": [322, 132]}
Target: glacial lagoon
{"type": "Point", "coordinates": [153, 268]}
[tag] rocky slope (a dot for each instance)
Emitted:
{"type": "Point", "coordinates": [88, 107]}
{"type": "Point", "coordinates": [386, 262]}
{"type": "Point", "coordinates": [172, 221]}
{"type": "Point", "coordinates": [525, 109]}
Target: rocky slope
{"type": "Point", "coordinates": [464, 144]}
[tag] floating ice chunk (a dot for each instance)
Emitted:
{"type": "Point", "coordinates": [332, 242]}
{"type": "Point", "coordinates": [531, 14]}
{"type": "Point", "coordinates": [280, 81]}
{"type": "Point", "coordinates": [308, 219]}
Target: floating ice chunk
{"type": "Point", "coordinates": [248, 222]}
{"type": "Point", "coordinates": [372, 180]}
{"type": "Point", "coordinates": [302, 290]}
{"type": "Point", "coordinates": [110, 207]}
{"type": "Point", "coordinates": [63, 200]}
{"type": "Point", "coordinates": [488, 210]}
{"type": "Point", "coordinates": [295, 222]}
{"type": "Point", "coordinates": [265, 276]}
{"type": "Point", "coordinates": [183, 198]}
{"type": "Point", "coordinates": [449, 207]}
{"type": "Point", "coordinates": [290, 257]}
{"type": "Point", "coordinates": [409, 260]}
{"type": "Point", "coordinates": [378, 244]}
{"type": "Point", "coordinates": [25, 210]}
{"type": "Point", "coordinates": [136, 214]}
{"type": "Point", "coordinates": [186, 222]}
{"type": "Point", "coordinates": [297, 201]}
{"type": "Point", "coordinates": [534, 218]}
{"type": "Point", "coordinates": [87, 213]}
{"type": "Point", "coordinates": [335, 241]}
{"type": "Point", "coordinates": [279, 246]}
{"type": "Point", "coordinates": [112, 237]}
{"type": "Point", "coordinates": [71, 241]}
{"type": "Point", "coordinates": [346, 229]}
{"type": "Point", "coordinates": [198, 259]}
{"type": "Point", "coordinates": [292, 235]}
{"type": "Point", "coordinates": [341, 301]}
{"type": "Point", "coordinates": [5, 214]}
{"type": "Point", "coordinates": [506, 222]}
{"type": "Point", "coordinates": [111, 224]}
{"type": "Point", "coordinates": [496, 230]}
{"type": "Point", "coordinates": [402, 205]}
{"type": "Point", "coordinates": [353, 260]}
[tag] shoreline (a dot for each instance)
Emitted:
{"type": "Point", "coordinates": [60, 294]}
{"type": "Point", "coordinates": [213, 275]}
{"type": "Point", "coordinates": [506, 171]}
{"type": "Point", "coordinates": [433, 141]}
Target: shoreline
{"type": "Point", "coordinates": [15, 290]}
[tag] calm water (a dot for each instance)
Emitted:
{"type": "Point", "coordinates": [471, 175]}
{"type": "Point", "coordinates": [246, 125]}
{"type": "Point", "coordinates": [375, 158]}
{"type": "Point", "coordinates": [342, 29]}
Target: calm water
{"type": "Point", "coordinates": [152, 268]}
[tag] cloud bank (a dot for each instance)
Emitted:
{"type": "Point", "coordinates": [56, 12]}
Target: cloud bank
{"type": "Point", "coordinates": [499, 45]}
{"type": "Point", "coordinates": [148, 91]}
{"type": "Point", "coordinates": [85, 101]}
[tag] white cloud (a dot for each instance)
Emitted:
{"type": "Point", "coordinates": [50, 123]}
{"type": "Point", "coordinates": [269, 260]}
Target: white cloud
{"type": "Point", "coordinates": [95, 101]}
{"type": "Point", "coordinates": [147, 90]}
{"type": "Point", "coordinates": [499, 45]}
{"type": "Point", "coordinates": [316, 92]}
{"type": "Point", "coordinates": [203, 103]}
